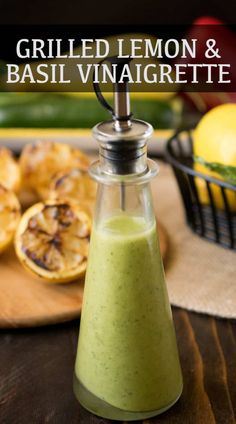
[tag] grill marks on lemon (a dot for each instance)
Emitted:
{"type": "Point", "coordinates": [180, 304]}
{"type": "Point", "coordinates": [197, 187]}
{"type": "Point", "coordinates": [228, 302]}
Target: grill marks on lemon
{"type": "Point", "coordinates": [74, 185]}
{"type": "Point", "coordinates": [9, 216]}
{"type": "Point", "coordinates": [41, 161]}
{"type": "Point", "coordinates": [53, 240]}
{"type": "Point", "coordinates": [52, 237]}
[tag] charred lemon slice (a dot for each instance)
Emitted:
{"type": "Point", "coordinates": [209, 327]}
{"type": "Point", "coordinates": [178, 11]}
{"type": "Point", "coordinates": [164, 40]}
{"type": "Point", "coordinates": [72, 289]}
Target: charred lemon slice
{"type": "Point", "coordinates": [41, 161]}
{"type": "Point", "coordinates": [9, 216]}
{"type": "Point", "coordinates": [52, 241]}
{"type": "Point", "coordinates": [74, 185]}
{"type": "Point", "coordinates": [9, 170]}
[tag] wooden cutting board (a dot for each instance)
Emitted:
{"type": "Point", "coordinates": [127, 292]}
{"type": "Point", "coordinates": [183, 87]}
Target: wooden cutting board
{"type": "Point", "coordinates": [26, 301]}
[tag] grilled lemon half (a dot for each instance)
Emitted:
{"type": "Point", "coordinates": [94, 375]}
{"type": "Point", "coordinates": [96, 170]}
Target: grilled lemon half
{"type": "Point", "coordinates": [10, 176]}
{"type": "Point", "coordinates": [74, 185]}
{"type": "Point", "coordinates": [39, 162]}
{"type": "Point", "coordinates": [52, 241]}
{"type": "Point", "coordinates": [9, 216]}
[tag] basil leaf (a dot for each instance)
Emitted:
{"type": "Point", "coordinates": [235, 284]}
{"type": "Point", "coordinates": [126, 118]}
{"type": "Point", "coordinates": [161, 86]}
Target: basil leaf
{"type": "Point", "coordinates": [227, 172]}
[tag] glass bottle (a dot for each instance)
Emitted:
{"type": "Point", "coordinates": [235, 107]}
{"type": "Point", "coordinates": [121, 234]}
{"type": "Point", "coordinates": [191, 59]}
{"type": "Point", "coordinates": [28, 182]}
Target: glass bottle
{"type": "Point", "coordinates": [127, 365]}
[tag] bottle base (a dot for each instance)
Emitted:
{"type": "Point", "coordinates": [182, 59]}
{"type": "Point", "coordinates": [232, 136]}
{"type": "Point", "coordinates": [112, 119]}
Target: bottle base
{"type": "Point", "coordinates": [103, 409]}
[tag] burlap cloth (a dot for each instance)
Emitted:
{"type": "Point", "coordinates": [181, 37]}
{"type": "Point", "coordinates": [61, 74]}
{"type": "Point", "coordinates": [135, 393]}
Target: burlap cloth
{"type": "Point", "coordinates": [200, 276]}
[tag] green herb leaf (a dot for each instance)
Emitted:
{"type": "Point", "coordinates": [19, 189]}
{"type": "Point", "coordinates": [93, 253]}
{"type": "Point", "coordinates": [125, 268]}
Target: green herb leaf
{"type": "Point", "coordinates": [227, 172]}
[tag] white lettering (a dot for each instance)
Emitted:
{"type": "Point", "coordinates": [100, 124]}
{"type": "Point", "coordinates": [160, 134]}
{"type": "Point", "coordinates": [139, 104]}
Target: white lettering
{"type": "Point", "coordinates": [222, 72]}
{"type": "Point", "coordinates": [12, 70]}
{"type": "Point", "coordinates": [18, 49]}
{"type": "Point", "coordinates": [84, 75]}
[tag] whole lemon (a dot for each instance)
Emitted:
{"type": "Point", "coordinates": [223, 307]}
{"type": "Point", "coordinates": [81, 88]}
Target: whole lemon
{"type": "Point", "coordinates": [214, 140]}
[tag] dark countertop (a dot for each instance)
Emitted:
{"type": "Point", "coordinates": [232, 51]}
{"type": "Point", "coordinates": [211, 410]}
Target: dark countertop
{"type": "Point", "coordinates": [36, 370]}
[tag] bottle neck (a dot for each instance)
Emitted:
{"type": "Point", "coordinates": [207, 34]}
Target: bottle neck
{"type": "Point", "coordinates": [123, 152]}
{"type": "Point", "coordinates": [128, 161]}
{"type": "Point", "coordinates": [103, 173]}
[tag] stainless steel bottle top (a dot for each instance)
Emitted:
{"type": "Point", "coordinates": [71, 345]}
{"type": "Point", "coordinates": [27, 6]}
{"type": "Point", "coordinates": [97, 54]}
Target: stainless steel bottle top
{"type": "Point", "coordinates": [122, 140]}
{"type": "Point", "coordinates": [106, 132]}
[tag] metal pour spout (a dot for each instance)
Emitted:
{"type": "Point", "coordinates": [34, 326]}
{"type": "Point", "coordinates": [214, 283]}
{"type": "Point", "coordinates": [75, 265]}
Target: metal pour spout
{"type": "Point", "coordinates": [122, 114]}
{"type": "Point", "coordinates": [121, 99]}
{"type": "Point", "coordinates": [122, 140]}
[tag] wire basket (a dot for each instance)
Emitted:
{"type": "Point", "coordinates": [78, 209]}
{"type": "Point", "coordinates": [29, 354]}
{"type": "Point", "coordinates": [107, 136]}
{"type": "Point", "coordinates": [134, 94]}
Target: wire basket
{"type": "Point", "coordinates": [210, 203]}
